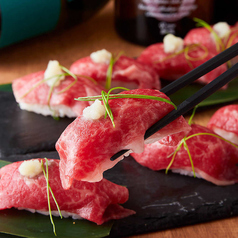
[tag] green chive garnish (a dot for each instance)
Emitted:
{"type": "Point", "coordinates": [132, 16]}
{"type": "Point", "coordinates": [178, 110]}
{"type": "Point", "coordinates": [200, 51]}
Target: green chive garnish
{"type": "Point", "coordinates": [49, 190]}
{"type": "Point", "coordinates": [219, 44]}
{"type": "Point", "coordinates": [58, 76]}
{"type": "Point", "coordinates": [105, 97]}
{"type": "Point", "coordinates": [183, 142]}
{"type": "Point", "coordinates": [109, 71]}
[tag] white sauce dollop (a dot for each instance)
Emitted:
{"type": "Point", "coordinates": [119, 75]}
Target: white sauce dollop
{"type": "Point", "coordinates": [172, 44]}
{"type": "Point", "coordinates": [53, 72]}
{"type": "Point", "coordinates": [222, 29]}
{"type": "Point", "coordinates": [30, 168]}
{"type": "Point", "coordinates": [95, 111]}
{"type": "Point", "coordinates": [101, 56]}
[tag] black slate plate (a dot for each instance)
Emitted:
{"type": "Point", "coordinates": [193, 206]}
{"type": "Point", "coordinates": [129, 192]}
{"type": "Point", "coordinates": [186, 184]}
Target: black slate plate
{"type": "Point", "coordinates": [24, 132]}
{"type": "Point", "coordinates": [163, 201]}
{"type": "Point", "coordinates": [167, 201]}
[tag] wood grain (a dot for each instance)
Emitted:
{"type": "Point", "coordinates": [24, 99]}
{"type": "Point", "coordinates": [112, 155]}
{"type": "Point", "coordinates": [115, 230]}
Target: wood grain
{"type": "Point", "coordinates": [71, 44]}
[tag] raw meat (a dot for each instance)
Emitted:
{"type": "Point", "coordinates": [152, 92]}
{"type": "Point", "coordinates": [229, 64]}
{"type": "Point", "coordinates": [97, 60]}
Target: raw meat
{"type": "Point", "coordinates": [61, 104]}
{"type": "Point", "coordinates": [201, 36]}
{"type": "Point", "coordinates": [214, 159]}
{"type": "Point", "coordinates": [97, 202]}
{"type": "Point", "coordinates": [224, 122]}
{"type": "Point", "coordinates": [86, 146]}
{"type": "Point", "coordinates": [233, 39]}
{"type": "Point", "coordinates": [204, 37]}
{"type": "Point", "coordinates": [127, 72]}
{"type": "Point", "coordinates": [171, 66]}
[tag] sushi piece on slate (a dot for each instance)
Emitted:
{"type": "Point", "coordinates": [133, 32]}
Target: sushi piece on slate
{"type": "Point", "coordinates": [231, 40]}
{"type": "Point", "coordinates": [224, 122]}
{"type": "Point", "coordinates": [214, 159]}
{"type": "Point", "coordinates": [23, 186]}
{"type": "Point", "coordinates": [33, 92]}
{"type": "Point", "coordinates": [211, 39]}
{"type": "Point", "coordinates": [127, 72]}
{"type": "Point", "coordinates": [86, 145]}
{"type": "Point", "coordinates": [220, 33]}
{"type": "Point", "coordinates": [173, 62]}
{"type": "Point", "coordinates": [225, 37]}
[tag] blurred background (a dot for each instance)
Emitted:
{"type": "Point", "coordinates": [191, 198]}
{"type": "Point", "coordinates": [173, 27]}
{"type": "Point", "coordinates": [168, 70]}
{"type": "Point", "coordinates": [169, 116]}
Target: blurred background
{"type": "Point", "coordinates": [34, 32]}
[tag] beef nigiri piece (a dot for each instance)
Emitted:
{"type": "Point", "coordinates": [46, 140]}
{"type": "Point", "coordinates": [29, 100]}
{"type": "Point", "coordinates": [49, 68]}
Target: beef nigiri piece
{"type": "Point", "coordinates": [226, 36]}
{"type": "Point", "coordinates": [23, 186]}
{"type": "Point", "coordinates": [203, 36]}
{"type": "Point", "coordinates": [34, 94]}
{"type": "Point", "coordinates": [86, 145]}
{"type": "Point", "coordinates": [224, 122]}
{"type": "Point", "coordinates": [127, 72]}
{"type": "Point", "coordinates": [232, 40]}
{"type": "Point", "coordinates": [171, 65]}
{"type": "Point", "coordinates": [214, 159]}
{"type": "Point", "coordinates": [213, 39]}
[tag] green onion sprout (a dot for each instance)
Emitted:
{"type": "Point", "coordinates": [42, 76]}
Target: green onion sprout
{"type": "Point", "coordinates": [186, 50]}
{"type": "Point", "coordinates": [219, 44]}
{"type": "Point", "coordinates": [49, 190]}
{"type": "Point", "coordinates": [109, 71]}
{"type": "Point", "coordinates": [106, 96]}
{"type": "Point", "coordinates": [58, 76]}
{"type": "Point", "coordinates": [183, 142]}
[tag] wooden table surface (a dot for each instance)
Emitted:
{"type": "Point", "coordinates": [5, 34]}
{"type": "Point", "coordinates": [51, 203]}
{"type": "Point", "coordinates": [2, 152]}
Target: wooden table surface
{"type": "Point", "coordinates": [66, 47]}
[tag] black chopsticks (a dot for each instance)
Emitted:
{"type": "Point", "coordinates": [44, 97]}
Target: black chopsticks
{"type": "Point", "coordinates": [195, 99]}
{"type": "Point", "coordinates": [200, 95]}
{"type": "Point", "coordinates": [201, 70]}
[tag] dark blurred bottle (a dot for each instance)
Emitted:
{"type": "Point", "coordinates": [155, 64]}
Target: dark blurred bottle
{"type": "Point", "coordinates": [23, 19]}
{"type": "Point", "coordinates": [146, 22]}
{"type": "Point", "coordinates": [226, 11]}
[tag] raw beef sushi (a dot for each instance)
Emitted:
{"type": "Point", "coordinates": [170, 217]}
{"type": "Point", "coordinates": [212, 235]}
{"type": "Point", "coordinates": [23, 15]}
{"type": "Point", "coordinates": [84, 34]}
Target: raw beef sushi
{"type": "Point", "coordinates": [23, 186]}
{"type": "Point", "coordinates": [127, 72]}
{"type": "Point", "coordinates": [170, 65]}
{"type": "Point", "coordinates": [214, 159]}
{"type": "Point", "coordinates": [86, 145]}
{"type": "Point", "coordinates": [224, 122]}
{"type": "Point", "coordinates": [36, 98]}
{"type": "Point", "coordinates": [227, 36]}
{"type": "Point", "coordinates": [201, 36]}
{"type": "Point", "coordinates": [232, 40]}
{"type": "Point", "coordinates": [214, 39]}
